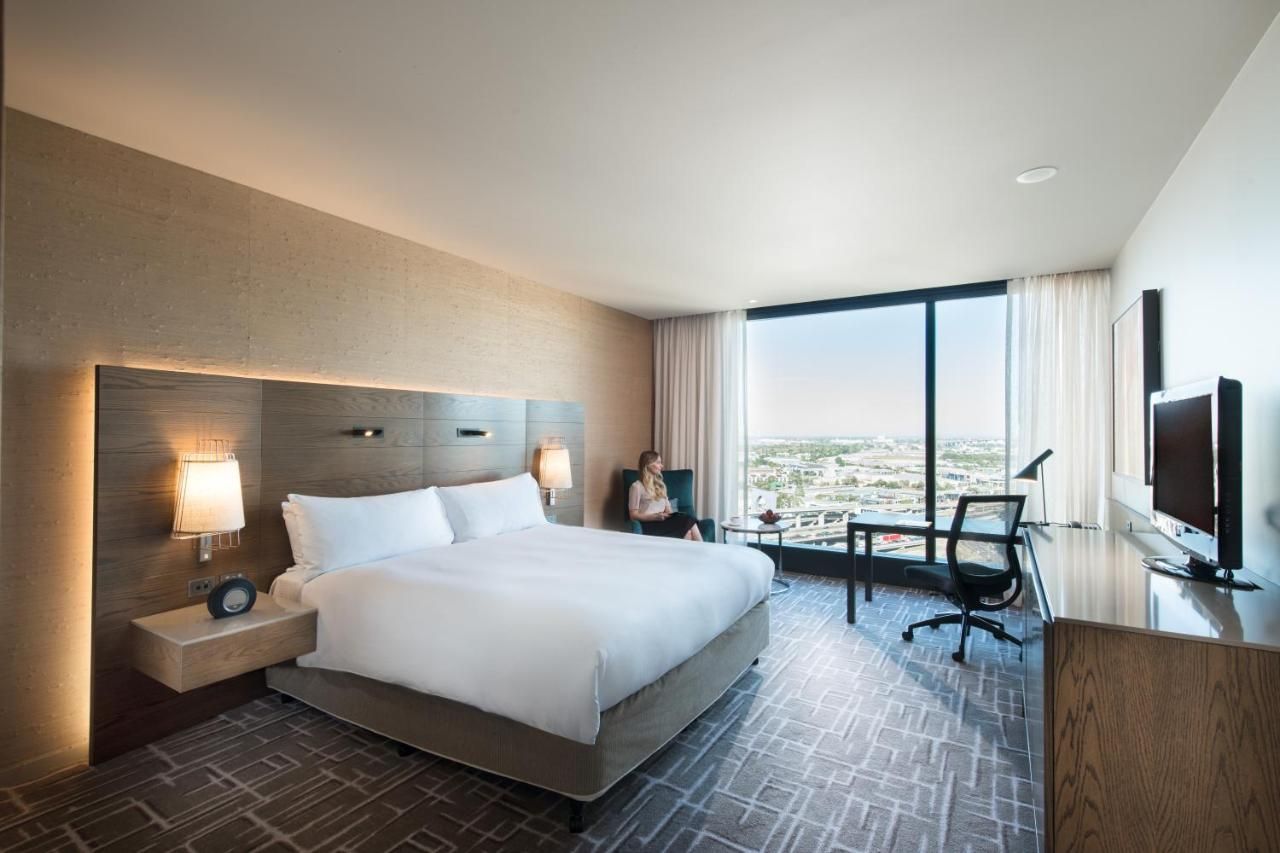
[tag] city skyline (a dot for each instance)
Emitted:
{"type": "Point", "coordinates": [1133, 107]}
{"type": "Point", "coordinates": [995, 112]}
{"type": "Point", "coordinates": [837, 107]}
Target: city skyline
{"type": "Point", "coordinates": [819, 483]}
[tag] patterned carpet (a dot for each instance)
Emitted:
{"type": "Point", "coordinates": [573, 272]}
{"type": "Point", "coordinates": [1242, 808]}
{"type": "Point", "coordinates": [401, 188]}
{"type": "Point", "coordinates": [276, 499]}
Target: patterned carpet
{"type": "Point", "coordinates": [844, 738]}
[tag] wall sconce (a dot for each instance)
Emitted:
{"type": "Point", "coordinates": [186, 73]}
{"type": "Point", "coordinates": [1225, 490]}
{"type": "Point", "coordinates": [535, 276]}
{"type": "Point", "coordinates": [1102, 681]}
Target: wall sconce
{"type": "Point", "coordinates": [366, 432]}
{"type": "Point", "coordinates": [209, 505]}
{"type": "Point", "coordinates": [464, 432]}
{"type": "Point", "coordinates": [554, 471]}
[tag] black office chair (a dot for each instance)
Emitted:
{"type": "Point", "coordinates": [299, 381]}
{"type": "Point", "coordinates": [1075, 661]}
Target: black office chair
{"type": "Point", "coordinates": [982, 567]}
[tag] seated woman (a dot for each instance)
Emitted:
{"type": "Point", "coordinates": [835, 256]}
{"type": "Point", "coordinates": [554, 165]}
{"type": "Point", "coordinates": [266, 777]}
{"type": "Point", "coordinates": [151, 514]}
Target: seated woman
{"type": "Point", "coordinates": [648, 503]}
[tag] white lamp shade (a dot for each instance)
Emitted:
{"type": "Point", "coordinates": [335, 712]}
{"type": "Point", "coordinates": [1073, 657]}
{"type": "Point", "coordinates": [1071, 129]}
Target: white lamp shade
{"type": "Point", "coordinates": [209, 499]}
{"type": "Point", "coordinates": [553, 468]}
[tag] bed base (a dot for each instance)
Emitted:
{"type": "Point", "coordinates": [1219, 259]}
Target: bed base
{"type": "Point", "coordinates": [630, 732]}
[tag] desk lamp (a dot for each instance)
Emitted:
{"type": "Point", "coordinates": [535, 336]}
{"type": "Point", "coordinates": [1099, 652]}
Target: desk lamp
{"type": "Point", "coordinates": [1031, 474]}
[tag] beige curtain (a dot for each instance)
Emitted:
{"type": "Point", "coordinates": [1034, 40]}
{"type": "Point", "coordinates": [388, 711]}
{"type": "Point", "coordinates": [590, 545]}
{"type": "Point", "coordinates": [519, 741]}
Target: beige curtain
{"type": "Point", "coordinates": [699, 412]}
{"type": "Point", "coordinates": [1059, 397]}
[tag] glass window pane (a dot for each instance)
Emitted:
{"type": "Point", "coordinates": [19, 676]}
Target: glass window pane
{"type": "Point", "coordinates": [970, 399]}
{"type": "Point", "coordinates": [835, 420]}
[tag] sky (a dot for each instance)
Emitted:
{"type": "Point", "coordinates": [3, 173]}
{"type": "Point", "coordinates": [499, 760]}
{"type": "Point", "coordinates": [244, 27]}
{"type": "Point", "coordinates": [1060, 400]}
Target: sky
{"type": "Point", "coordinates": [853, 373]}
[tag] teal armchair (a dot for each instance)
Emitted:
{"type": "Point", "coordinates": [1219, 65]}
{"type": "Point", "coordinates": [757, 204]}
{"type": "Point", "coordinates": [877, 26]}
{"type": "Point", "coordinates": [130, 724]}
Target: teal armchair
{"type": "Point", "coordinates": [679, 488]}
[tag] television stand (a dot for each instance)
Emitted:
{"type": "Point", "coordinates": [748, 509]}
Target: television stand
{"type": "Point", "coordinates": [1189, 568]}
{"type": "Point", "coordinates": [1151, 703]}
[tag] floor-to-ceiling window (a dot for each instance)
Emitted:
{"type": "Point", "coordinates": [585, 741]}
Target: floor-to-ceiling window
{"type": "Point", "coordinates": [856, 404]}
{"type": "Point", "coordinates": [970, 398]}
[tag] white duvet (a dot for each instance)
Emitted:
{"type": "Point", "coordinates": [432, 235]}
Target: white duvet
{"type": "Point", "coordinates": [548, 626]}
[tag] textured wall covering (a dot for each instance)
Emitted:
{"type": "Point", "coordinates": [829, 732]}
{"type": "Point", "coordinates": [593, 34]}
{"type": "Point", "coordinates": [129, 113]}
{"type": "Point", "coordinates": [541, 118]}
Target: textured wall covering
{"type": "Point", "coordinates": [117, 257]}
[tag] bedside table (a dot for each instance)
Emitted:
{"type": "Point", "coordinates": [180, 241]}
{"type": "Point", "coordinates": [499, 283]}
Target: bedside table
{"type": "Point", "coordinates": [187, 648]}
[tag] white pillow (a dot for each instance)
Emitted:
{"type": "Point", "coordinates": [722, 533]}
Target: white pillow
{"type": "Point", "coordinates": [291, 525]}
{"type": "Point", "coordinates": [487, 509]}
{"type": "Point", "coordinates": [331, 533]}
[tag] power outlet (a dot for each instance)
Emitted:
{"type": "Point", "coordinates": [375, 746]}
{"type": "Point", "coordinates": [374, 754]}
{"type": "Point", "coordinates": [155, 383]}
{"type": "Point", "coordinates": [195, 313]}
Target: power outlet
{"type": "Point", "coordinates": [199, 587]}
{"type": "Point", "coordinates": [229, 576]}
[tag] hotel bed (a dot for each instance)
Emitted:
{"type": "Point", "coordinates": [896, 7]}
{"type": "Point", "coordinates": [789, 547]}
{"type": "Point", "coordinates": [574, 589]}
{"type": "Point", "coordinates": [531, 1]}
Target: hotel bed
{"type": "Point", "coordinates": [558, 656]}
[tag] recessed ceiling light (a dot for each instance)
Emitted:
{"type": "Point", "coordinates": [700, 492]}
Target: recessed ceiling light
{"type": "Point", "coordinates": [752, 301]}
{"type": "Point", "coordinates": [1037, 175]}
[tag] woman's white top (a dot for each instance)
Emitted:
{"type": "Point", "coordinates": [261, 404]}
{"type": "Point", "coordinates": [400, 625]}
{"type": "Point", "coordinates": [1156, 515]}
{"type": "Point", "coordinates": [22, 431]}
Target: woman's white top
{"type": "Point", "coordinates": [639, 500]}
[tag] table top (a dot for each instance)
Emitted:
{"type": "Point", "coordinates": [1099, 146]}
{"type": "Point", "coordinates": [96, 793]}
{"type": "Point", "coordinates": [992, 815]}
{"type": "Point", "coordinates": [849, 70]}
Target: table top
{"type": "Point", "coordinates": [751, 524]}
{"type": "Point", "coordinates": [976, 528]}
{"type": "Point", "coordinates": [898, 522]}
{"type": "Point", "coordinates": [195, 624]}
{"type": "Point", "coordinates": [1096, 577]}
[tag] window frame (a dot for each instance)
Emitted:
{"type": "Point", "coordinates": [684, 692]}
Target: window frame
{"type": "Point", "coordinates": [807, 555]}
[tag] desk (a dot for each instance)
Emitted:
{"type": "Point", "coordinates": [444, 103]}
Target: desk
{"type": "Point", "coordinates": [977, 529]}
{"type": "Point", "coordinates": [868, 523]}
{"type": "Point", "coordinates": [1150, 700]}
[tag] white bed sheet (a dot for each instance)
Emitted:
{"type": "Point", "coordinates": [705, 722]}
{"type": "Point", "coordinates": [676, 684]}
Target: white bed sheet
{"type": "Point", "coordinates": [548, 626]}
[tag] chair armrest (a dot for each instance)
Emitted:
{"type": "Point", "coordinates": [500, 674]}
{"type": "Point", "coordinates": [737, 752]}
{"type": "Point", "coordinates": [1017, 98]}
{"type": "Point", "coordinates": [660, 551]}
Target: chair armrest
{"type": "Point", "coordinates": [635, 526]}
{"type": "Point", "coordinates": [707, 527]}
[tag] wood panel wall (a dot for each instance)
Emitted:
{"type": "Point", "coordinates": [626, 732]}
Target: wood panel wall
{"type": "Point", "coordinates": [116, 257]}
{"type": "Point", "coordinates": [2, 196]}
{"type": "Point", "coordinates": [288, 437]}
{"type": "Point", "coordinates": [145, 419]}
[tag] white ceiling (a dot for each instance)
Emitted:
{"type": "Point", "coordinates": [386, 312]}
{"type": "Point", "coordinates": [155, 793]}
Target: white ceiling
{"type": "Point", "coordinates": [667, 157]}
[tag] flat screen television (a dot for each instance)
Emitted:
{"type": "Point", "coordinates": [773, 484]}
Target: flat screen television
{"type": "Point", "coordinates": [1196, 473]}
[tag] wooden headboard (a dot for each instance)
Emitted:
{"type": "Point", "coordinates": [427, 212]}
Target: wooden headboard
{"type": "Point", "coordinates": [288, 437]}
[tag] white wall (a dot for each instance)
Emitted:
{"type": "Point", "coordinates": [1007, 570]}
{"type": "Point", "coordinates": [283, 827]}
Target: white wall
{"type": "Point", "coordinates": [1211, 244]}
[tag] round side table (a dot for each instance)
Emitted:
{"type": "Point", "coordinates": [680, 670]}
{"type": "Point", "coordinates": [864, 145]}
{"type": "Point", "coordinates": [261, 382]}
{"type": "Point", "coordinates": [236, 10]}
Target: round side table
{"type": "Point", "coordinates": [750, 525]}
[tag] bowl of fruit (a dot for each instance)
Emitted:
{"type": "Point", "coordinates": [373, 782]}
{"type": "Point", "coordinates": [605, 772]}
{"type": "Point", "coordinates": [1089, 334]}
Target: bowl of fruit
{"type": "Point", "coordinates": [769, 517]}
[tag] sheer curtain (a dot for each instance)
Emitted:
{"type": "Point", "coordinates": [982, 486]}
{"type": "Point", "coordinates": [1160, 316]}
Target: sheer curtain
{"type": "Point", "coordinates": [698, 404]}
{"type": "Point", "coordinates": [1059, 374]}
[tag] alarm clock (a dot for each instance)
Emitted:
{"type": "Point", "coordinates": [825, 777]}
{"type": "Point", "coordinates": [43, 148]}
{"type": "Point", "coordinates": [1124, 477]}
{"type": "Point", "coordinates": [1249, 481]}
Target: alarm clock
{"type": "Point", "coordinates": [232, 597]}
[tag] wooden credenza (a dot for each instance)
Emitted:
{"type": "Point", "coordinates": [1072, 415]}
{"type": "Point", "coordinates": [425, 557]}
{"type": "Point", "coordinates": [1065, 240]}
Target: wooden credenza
{"type": "Point", "coordinates": [1153, 703]}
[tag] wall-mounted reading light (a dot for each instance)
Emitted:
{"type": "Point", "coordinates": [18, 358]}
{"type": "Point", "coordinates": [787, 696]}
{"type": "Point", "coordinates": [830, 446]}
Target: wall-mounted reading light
{"type": "Point", "coordinates": [554, 471]}
{"type": "Point", "coordinates": [464, 432]}
{"type": "Point", "coordinates": [209, 505]}
{"type": "Point", "coordinates": [366, 432]}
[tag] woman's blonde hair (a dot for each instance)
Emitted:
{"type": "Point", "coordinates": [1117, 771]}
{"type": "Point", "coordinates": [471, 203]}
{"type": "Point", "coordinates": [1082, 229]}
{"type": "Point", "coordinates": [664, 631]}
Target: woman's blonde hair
{"type": "Point", "coordinates": [653, 483]}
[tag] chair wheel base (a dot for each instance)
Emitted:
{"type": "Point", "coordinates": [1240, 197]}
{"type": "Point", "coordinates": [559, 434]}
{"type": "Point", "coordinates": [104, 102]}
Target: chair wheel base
{"type": "Point", "coordinates": [908, 636]}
